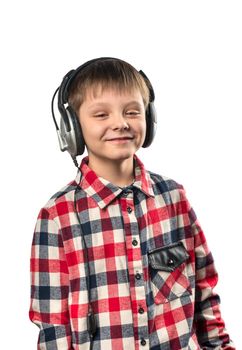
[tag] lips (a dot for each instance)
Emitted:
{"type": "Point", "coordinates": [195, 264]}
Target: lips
{"type": "Point", "coordinates": [121, 138]}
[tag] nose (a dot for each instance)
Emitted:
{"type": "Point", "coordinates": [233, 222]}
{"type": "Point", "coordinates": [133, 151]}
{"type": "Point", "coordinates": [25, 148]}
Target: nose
{"type": "Point", "coordinates": [119, 122]}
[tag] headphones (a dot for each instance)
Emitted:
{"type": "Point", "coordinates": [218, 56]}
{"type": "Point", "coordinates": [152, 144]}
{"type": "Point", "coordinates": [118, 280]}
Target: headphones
{"type": "Point", "coordinates": [70, 134]}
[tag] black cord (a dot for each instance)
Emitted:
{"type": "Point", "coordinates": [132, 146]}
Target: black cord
{"type": "Point", "coordinates": [91, 320]}
{"type": "Point", "coordinates": [52, 108]}
{"type": "Point", "coordinates": [75, 162]}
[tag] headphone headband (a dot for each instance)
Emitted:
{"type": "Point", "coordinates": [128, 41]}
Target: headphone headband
{"type": "Point", "coordinates": [70, 76]}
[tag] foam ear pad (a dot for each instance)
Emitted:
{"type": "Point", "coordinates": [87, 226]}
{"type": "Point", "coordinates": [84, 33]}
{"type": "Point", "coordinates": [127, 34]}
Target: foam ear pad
{"type": "Point", "coordinates": [77, 137]}
{"type": "Point", "coordinates": [150, 125]}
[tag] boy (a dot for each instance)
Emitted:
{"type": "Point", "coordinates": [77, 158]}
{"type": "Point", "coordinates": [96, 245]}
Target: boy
{"type": "Point", "coordinates": [119, 260]}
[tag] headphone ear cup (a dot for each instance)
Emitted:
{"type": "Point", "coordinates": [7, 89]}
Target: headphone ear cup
{"type": "Point", "coordinates": [151, 125]}
{"type": "Point", "coordinates": [78, 139]}
{"type": "Point", "coordinates": [73, 140]}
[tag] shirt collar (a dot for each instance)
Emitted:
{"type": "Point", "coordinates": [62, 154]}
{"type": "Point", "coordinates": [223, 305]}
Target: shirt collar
{"type": "Point", "coordinates": [103, 191]}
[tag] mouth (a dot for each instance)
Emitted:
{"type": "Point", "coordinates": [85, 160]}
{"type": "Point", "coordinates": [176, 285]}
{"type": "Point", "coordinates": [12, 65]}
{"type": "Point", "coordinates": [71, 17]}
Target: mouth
{"type": "Point", "coordinates": [121, 138]}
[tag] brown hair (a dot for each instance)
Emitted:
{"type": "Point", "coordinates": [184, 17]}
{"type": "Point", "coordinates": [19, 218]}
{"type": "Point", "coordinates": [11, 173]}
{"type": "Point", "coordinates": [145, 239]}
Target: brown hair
{"type": "Point", "coordinates": [106, 73]}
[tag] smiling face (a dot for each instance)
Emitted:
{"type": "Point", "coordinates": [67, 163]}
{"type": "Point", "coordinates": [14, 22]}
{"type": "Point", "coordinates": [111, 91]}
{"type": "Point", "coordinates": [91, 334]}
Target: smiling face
{"type": "Point", "coordinates": [113, 124]}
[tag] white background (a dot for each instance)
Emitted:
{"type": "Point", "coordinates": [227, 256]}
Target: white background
{"type": "Point", "coordinates": [191, 51]}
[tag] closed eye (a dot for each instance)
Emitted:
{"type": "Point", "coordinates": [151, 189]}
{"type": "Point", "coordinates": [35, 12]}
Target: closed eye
{"type": "Point", "coordinates": [133, 112]}
{"type": "Point", "coordinates": [100, 115]}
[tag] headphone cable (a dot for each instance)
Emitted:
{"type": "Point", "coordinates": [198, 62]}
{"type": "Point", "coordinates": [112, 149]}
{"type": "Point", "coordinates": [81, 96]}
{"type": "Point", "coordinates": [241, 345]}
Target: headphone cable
{"type": "Point", "coordinates": [52, 108]}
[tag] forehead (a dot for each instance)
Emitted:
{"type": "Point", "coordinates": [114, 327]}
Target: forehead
{"type": "Point", "coordinates": [103, 93]}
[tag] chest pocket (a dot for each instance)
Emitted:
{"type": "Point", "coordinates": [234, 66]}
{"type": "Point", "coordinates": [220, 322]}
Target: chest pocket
{"type": "Point", "coordinates": [168, 272]}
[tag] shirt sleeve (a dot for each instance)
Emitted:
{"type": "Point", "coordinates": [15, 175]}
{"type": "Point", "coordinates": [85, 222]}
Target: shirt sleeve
{"type": "Point", "coordinates": [49, 285]}
{"type": "Point", "coordinates": [209, 325]}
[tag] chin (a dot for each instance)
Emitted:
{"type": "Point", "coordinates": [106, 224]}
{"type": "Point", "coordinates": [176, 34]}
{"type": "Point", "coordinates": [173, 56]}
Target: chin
{"type": "Point", "coordinates": [120, 156]}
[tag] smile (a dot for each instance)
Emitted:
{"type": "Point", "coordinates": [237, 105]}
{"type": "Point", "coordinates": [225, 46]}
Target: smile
{"type": "Point", "coordinates": [120, 140]}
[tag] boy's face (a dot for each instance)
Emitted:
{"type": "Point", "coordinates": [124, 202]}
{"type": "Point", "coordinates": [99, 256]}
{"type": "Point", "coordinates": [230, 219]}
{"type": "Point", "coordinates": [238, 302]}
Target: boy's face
{"type": "Point", "coordinates": [109, 115]}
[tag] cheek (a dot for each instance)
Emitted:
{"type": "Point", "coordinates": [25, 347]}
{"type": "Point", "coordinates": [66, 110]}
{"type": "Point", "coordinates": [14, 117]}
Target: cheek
{"type": "Point", "coordinates": [142, 127]}
{"type": "Point", "coordinates": [143, 131]}
{"type": "Point", "coordinates": [92, 132]}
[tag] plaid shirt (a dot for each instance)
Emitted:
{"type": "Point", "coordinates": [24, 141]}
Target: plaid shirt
{"type": "Point", "coordinates": [151, 272]}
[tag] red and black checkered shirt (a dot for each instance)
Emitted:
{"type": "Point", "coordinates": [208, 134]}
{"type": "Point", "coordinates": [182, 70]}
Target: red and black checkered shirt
{"type": "Point", "coordinates": [151, 274]}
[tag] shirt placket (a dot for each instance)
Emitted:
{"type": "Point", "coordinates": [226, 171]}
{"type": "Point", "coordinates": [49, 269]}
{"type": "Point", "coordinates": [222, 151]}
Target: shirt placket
{"type": "Point", "coordinates": [135, 271]}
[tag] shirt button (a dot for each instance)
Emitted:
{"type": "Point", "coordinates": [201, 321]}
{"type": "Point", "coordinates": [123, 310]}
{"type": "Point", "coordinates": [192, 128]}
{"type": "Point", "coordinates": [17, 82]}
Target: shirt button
{"type": "Point", "coordinates": [143, 342]}
{"type": "Point", "coordinates": [141, 310]}
{"type": "Point", "coordinates": [170, 262]}
{"type": "Point", "coordinates": [135, 242]}
{"type": "Point", "coordinates": [129, 210]}
{"type": "Point", "coordinates": [138, 276]}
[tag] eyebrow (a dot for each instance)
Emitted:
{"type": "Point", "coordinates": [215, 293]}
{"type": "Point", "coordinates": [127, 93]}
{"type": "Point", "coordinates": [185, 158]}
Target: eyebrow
{"type": "Point", "coordinates": [106, 104]}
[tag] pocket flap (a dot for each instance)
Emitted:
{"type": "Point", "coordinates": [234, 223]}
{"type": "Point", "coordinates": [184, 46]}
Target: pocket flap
{"type": "Point", "coordinates": [168, 258]}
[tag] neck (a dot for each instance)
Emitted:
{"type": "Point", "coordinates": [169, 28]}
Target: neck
{"type": "Point", "coordinates": [119, 173]}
